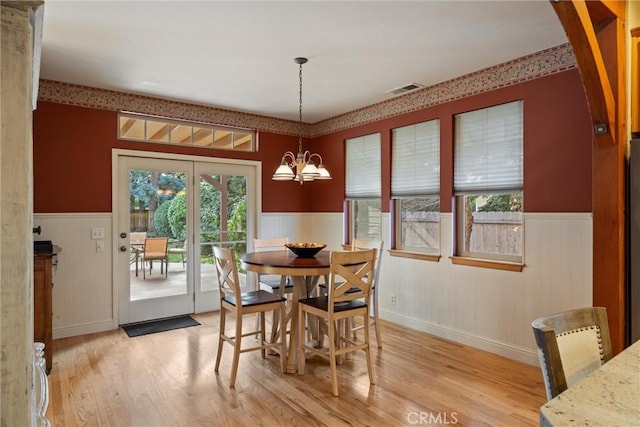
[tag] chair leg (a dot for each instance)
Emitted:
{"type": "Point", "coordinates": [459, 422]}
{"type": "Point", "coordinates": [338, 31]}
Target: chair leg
{"type": "Point", "coordinates": [332, 357]}
{"type": "Point", "coordinates": [236, 352]}
{"type": "Point", "coordinates": [367, 348]}
{"type": "Point", "coordinates": [347, 330]}
{"type": "Point", "coordinates": [321, 332]}
{"type": "Point", "coordinates": [276, 318]}
{"type": "Point", "coordinates": [275, 322]}
{"type": "Point", "coordinates": [376, 320]}
{"type": "Point", "coordinates": [263, 336]}
{"type": "Point", "coordinates": [283, 337]}
{"type": "Point", "coordinates": [220, 339]}
{"type": "Point", "coordinates": [302, 320]}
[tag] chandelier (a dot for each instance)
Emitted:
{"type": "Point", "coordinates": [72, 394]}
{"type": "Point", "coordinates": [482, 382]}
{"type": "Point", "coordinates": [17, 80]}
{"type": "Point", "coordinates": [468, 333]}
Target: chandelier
{"type": "Point", "coordinates": [300, 167]}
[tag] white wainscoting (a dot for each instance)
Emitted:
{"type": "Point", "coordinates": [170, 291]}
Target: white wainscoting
{"type": "Point", "coordinates": [83, 285]}
{"type": "Point", "coordinates": [484, 308]}
{"type": "Point", "coordinates": [295, 226]}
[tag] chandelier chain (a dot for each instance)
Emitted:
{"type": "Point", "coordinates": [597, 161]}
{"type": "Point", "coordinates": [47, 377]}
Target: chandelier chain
{"type": "Point", "coordinates": [300, 110]}
{"type": "Point", "coordinates": [302, 163]}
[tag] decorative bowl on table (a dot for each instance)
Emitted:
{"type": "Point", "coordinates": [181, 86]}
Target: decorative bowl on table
{"type": "Point", "coordinates": [305, 250]}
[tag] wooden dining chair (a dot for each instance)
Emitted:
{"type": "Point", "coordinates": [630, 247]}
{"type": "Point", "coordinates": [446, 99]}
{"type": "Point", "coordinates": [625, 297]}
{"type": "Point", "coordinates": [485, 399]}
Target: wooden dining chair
{"type": "Point", "coordinates": [349, 269]}
{"type": "Point", "coordinates": [360, 244]}
{"type": "Point", "coordinates": [232, 300]}
{"type": "Point", "coordinates": [269, 282]}
{"type": "Point", "coordinates": [280, 285]}
{"type": "Point", "coordinates": [155, 249]}
{"type": "Point", "coordinates": [571, 345]}
{"type": "Point", "coordinates": [363, 244]}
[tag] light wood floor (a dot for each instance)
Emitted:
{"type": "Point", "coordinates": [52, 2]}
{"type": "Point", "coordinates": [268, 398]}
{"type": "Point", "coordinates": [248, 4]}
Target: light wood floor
{"type": "Point", "coordinates": [167, 379]}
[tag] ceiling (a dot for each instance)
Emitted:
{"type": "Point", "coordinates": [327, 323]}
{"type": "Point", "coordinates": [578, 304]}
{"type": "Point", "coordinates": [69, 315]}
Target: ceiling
{"type": "Point", "coordinates": [239, 55]}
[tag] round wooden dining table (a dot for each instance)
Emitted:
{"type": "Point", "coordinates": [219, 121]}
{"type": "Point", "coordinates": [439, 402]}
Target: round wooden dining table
{"type": "Point", "coordinates": [304, 273]}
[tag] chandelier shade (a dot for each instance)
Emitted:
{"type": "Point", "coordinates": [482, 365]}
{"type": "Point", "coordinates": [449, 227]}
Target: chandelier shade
{"type": "Point", "coordinates": [300, 167]}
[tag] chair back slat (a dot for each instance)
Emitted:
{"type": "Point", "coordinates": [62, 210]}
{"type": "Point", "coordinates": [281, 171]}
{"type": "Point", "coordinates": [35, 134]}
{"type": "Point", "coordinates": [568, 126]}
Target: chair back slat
{"type": "Point", "coordinates": [227, 272]}
{"type": "Point", "coordinates": [349, 271]}
{"type": "Point", "coordinates": [359, 244]}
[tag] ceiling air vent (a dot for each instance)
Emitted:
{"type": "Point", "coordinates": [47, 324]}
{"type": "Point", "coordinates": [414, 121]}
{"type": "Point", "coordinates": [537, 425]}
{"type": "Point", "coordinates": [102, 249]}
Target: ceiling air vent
{"type": "Point", "coordinates": [406, 88]}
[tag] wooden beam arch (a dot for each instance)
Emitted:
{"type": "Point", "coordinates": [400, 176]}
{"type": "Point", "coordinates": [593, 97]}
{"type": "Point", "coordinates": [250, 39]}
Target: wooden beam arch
{"type": "Point", "coordinates": [597, 33]}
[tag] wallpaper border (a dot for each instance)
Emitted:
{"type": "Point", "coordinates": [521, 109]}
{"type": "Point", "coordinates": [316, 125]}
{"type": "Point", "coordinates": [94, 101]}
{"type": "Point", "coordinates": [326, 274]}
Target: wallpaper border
{"type": "Point", "coordinates": [550, 61]}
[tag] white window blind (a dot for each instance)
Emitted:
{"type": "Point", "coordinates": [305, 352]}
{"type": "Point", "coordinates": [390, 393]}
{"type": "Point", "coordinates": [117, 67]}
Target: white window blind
{"type": "Point", "coordinates": [363, 166]}
{"type": "Point", "coordinates": [415, 161]}
{"type": "Point", "coordinates": [488, 149]}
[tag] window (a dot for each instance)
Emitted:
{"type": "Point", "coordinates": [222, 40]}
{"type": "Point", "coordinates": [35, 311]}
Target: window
{"type": "Point", "coordinates": [141, 128]}
{"type": "Point", "coordinates": [488, 183]}
{"type": "Point", "coordinates": [415, 186]}
{"type": "Point", "coordinates": [363, 187]}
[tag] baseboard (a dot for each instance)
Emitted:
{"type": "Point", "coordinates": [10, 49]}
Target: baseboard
{"type": "Point", "coordinates": [520, 354]}
{"type": "Point", "coordinates": [89, 328]}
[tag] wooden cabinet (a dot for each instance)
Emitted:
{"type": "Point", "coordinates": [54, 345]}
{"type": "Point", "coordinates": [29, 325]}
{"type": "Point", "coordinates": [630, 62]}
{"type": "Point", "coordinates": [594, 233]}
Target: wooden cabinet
{"type": "Point", "coordinates": [42, 311]}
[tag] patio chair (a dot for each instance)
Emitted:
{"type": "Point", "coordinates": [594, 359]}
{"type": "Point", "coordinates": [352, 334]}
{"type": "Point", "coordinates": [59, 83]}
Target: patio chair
{"type": "Point", "coordinates": [182, 250]}
{"type": "Point", "coordinates": [136, 243]}
{"type": "Point", "coordinates": [155, 249]}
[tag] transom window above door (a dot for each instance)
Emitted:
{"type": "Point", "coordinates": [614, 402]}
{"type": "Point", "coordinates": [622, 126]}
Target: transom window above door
{"type": "Point", "coordinates": [153, 129]}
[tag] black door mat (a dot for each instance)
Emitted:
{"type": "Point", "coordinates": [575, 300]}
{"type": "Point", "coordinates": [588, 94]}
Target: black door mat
{"type": "Point", "coordinates": [145, 328]}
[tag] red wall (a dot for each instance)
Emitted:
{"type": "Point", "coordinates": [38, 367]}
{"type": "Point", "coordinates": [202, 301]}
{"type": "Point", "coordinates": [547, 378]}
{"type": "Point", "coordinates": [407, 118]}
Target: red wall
{"type": "Point", "coordinates": [72, 153]}
{"type": "Point", "coordinates": [557, 146]}
{"type": "Point", "coordinates": [72, 160]}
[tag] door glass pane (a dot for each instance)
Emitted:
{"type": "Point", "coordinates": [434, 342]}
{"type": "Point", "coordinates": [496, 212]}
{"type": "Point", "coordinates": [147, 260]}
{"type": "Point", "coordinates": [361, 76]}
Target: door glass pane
{"type": "Point", "coordinates": [157, 206]}
{"type": "Point", "coordinates": [223, 222]}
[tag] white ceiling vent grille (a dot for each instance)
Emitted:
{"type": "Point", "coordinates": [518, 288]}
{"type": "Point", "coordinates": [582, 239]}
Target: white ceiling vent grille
{"type": "Point", "coordinates": [406, 88]}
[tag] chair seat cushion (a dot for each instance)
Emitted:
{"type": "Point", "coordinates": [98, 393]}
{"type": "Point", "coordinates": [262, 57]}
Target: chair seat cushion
{"type": "Point", "coordinates": [350, 291]}
{"type": "Point", "coordinates": [322, 303]}
{"type": "Point", "coordinates": [275, 284]}
{"type": "Point", "coordinates": [255, 298]}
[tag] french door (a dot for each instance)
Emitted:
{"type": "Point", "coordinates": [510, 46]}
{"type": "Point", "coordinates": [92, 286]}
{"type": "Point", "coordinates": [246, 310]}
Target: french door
{"type": "Point", "coordinates": [225, 216]}
{"type": "Point", "coordinates": [189, 205]}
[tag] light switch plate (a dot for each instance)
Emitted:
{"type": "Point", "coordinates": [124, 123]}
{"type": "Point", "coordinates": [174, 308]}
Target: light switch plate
{"type": "Point", "coordinates": [97, 233]}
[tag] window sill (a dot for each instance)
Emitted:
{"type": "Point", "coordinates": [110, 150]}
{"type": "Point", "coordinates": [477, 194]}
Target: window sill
{"type": "Point", "coordinates": [496, 265]}
{"type": "Point", "coordinates": [414, 255]}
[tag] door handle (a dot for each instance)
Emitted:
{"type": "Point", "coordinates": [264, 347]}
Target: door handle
{"type": "Point", "coordinates": [123, 234]}
{"type": "Point", "coordinates": [123, 249]}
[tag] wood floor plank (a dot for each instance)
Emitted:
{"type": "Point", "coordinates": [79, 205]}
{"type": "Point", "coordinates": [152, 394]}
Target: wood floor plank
{"type": "Point", "coordinates": [167, 379]}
